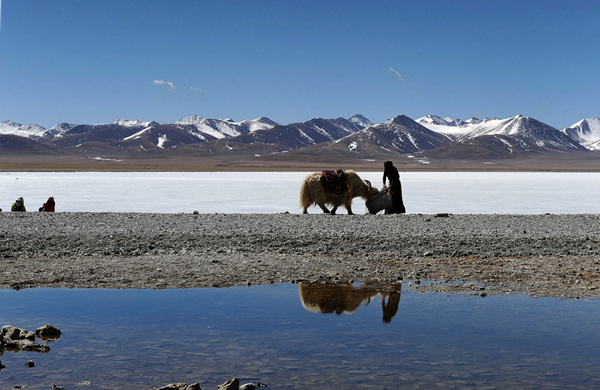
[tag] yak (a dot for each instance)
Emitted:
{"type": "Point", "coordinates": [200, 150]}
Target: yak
{"type": "Point", "coordinates": [313, 192]}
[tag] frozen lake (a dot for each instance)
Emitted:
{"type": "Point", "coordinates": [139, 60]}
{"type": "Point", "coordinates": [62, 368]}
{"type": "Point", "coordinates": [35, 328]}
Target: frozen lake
{"type": "Point", "coordinates": [277, 192]}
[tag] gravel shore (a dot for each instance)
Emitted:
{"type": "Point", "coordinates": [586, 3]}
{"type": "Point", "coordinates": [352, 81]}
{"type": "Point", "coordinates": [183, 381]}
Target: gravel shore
{"type": "Point", "coordinates": [539, 255]}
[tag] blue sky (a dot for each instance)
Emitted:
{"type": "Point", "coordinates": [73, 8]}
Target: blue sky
{"type": "Point", "coordinates": [95, 61]}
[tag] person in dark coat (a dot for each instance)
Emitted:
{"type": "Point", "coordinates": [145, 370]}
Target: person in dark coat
{"type": "Point", "coordinates": [391, 173]}
{"type": "Point", "coordinates": [390, 307]}
{"type": "Point", "coordinates": [49, 205]}
{"type": "Point", "coordinates": [18, 205]}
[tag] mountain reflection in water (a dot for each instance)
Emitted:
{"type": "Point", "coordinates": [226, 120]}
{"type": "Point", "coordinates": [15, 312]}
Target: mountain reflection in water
{"type": "Point", "coordinates": [347, 298]}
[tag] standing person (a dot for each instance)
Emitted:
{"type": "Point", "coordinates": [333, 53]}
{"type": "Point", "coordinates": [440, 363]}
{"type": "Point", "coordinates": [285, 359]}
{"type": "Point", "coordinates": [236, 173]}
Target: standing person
{"type": "Point", "coordinates": [390, 308]}
{"type": "Point", "coordinates": [49, 205]}
{"type": "Point", "coordinates": [18, 205]}
{"type": "Point", "coordinates": [390, 172]}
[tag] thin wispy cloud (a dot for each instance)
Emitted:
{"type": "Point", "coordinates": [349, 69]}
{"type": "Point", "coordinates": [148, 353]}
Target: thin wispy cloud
{"type": "Point", "coordinates": [167, 84]}
{"type": "Point", "coordinates": [195, 89]}
{"type": "Point", "coordinates": [394, 71]}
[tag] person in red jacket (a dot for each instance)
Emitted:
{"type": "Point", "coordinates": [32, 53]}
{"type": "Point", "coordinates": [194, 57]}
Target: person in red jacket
{"type": "Point", "coordinates": [49, 205]}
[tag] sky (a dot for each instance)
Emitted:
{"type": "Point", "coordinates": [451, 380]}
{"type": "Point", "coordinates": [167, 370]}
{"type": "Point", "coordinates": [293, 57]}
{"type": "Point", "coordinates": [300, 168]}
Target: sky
{"type": "Point", "coordinates": [96, 61]}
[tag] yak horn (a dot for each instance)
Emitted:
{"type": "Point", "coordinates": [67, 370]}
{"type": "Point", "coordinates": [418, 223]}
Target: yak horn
{"type": "Point", "coordinates": [368, 183]}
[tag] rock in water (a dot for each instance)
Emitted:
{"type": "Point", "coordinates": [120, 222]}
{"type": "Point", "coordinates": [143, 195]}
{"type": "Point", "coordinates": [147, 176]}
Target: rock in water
{"type": "Point", "coordinates": [48, 332]}
{"type": "Point", "coordinates": [179, 386]}
{"type": "Point", "coordinates": [12, 333]}
{"type": "Point", "coordinates": [233, 384]}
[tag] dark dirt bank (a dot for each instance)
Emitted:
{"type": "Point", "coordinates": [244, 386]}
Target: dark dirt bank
{"type": "Point", "coordinates": [540, 255]}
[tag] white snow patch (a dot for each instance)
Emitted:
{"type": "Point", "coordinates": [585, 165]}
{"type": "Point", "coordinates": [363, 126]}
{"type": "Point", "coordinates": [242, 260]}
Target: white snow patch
{"type": "Point", "coordinates": [323, 131]}
{"type": "Point", "coordinates": [412, 140]}
{"type": "Point", "coordinates": [137, 135]}
{"type": "Point", "coordinates": [104, 159]}
{"type": "Point", "coordinates": [303, 134]}
{"type": "Point", "coordinates": [162, 139]}
{"type": "Point", "coordinates": [508, 145]}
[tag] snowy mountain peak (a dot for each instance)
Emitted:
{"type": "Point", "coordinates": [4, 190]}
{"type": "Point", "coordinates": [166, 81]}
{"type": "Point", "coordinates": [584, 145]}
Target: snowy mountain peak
{"type": "Point", "coordinates": [30, 131]}
{"type": "Point", "coordinates": [361, 120]}
{"type": "Point", "coordinates": [586, 132]}
{"type": "Point", "coordinates": [474, 121]}
{"type": "Point", "coordinates": [58, 130]}
{"type": "Point", "coordinates": [436, 120]}
{"type": "Point", "coordinates": [190, 120]}
{"type": "Point", "coordinates": [62, 127]}
{"type": "Point", "coordinates": [402, 120]}
{"type": "Point", "coordinates": [130, 123]}
{"type": "Point", "coordinates": [262, 123]}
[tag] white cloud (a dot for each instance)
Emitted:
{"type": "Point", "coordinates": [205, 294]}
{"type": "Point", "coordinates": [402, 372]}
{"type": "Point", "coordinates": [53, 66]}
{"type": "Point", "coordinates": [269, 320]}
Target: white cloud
{"type": "Point", "coordinates": [167, 84]}
{"type": "Point", "coordinates": [394, 71]}
{"type": "Point", "coordinates": [195, 89]}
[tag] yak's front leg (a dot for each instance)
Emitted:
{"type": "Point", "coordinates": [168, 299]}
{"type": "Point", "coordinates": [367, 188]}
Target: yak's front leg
{"type": "Point", "coordinates": [325, 209]}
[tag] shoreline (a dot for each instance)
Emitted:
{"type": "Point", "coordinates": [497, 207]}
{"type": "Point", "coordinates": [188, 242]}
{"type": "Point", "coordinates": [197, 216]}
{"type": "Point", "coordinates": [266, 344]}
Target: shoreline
{"type": "Point", "coordinates": [7, 168]}
{"type": "Point", "coordinates": [538, 255]}
{"type": "Point", "coordinates": [242, 162]}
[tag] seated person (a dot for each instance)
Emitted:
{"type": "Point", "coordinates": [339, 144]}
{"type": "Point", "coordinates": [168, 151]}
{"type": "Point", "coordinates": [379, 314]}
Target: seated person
{"type": "Point", "coordinates": [49, 205]}
{"type": "Point", "coordinates": [18, 205]}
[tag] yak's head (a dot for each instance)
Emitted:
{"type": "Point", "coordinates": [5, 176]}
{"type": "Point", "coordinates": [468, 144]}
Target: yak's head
{"type": "Point", "coordinates": [370, 190]}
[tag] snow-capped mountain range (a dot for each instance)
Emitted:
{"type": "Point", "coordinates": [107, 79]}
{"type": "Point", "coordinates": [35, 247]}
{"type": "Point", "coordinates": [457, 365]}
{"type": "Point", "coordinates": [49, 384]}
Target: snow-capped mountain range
{"type": "Point", "coordinates": [519, 126]}
{"type": "Point", "coordinates": [356, 135]}
{"type": "Point", "coordinates": [400, 135]}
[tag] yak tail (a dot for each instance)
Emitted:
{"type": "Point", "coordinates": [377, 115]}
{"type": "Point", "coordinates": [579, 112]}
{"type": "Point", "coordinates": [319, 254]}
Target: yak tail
{"type": "Point", "coordinates": [305, 200]}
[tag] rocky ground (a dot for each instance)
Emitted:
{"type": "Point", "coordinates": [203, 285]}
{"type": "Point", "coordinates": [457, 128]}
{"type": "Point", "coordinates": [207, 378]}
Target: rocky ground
{"type": "Point", "coordinates": [539, 255]}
